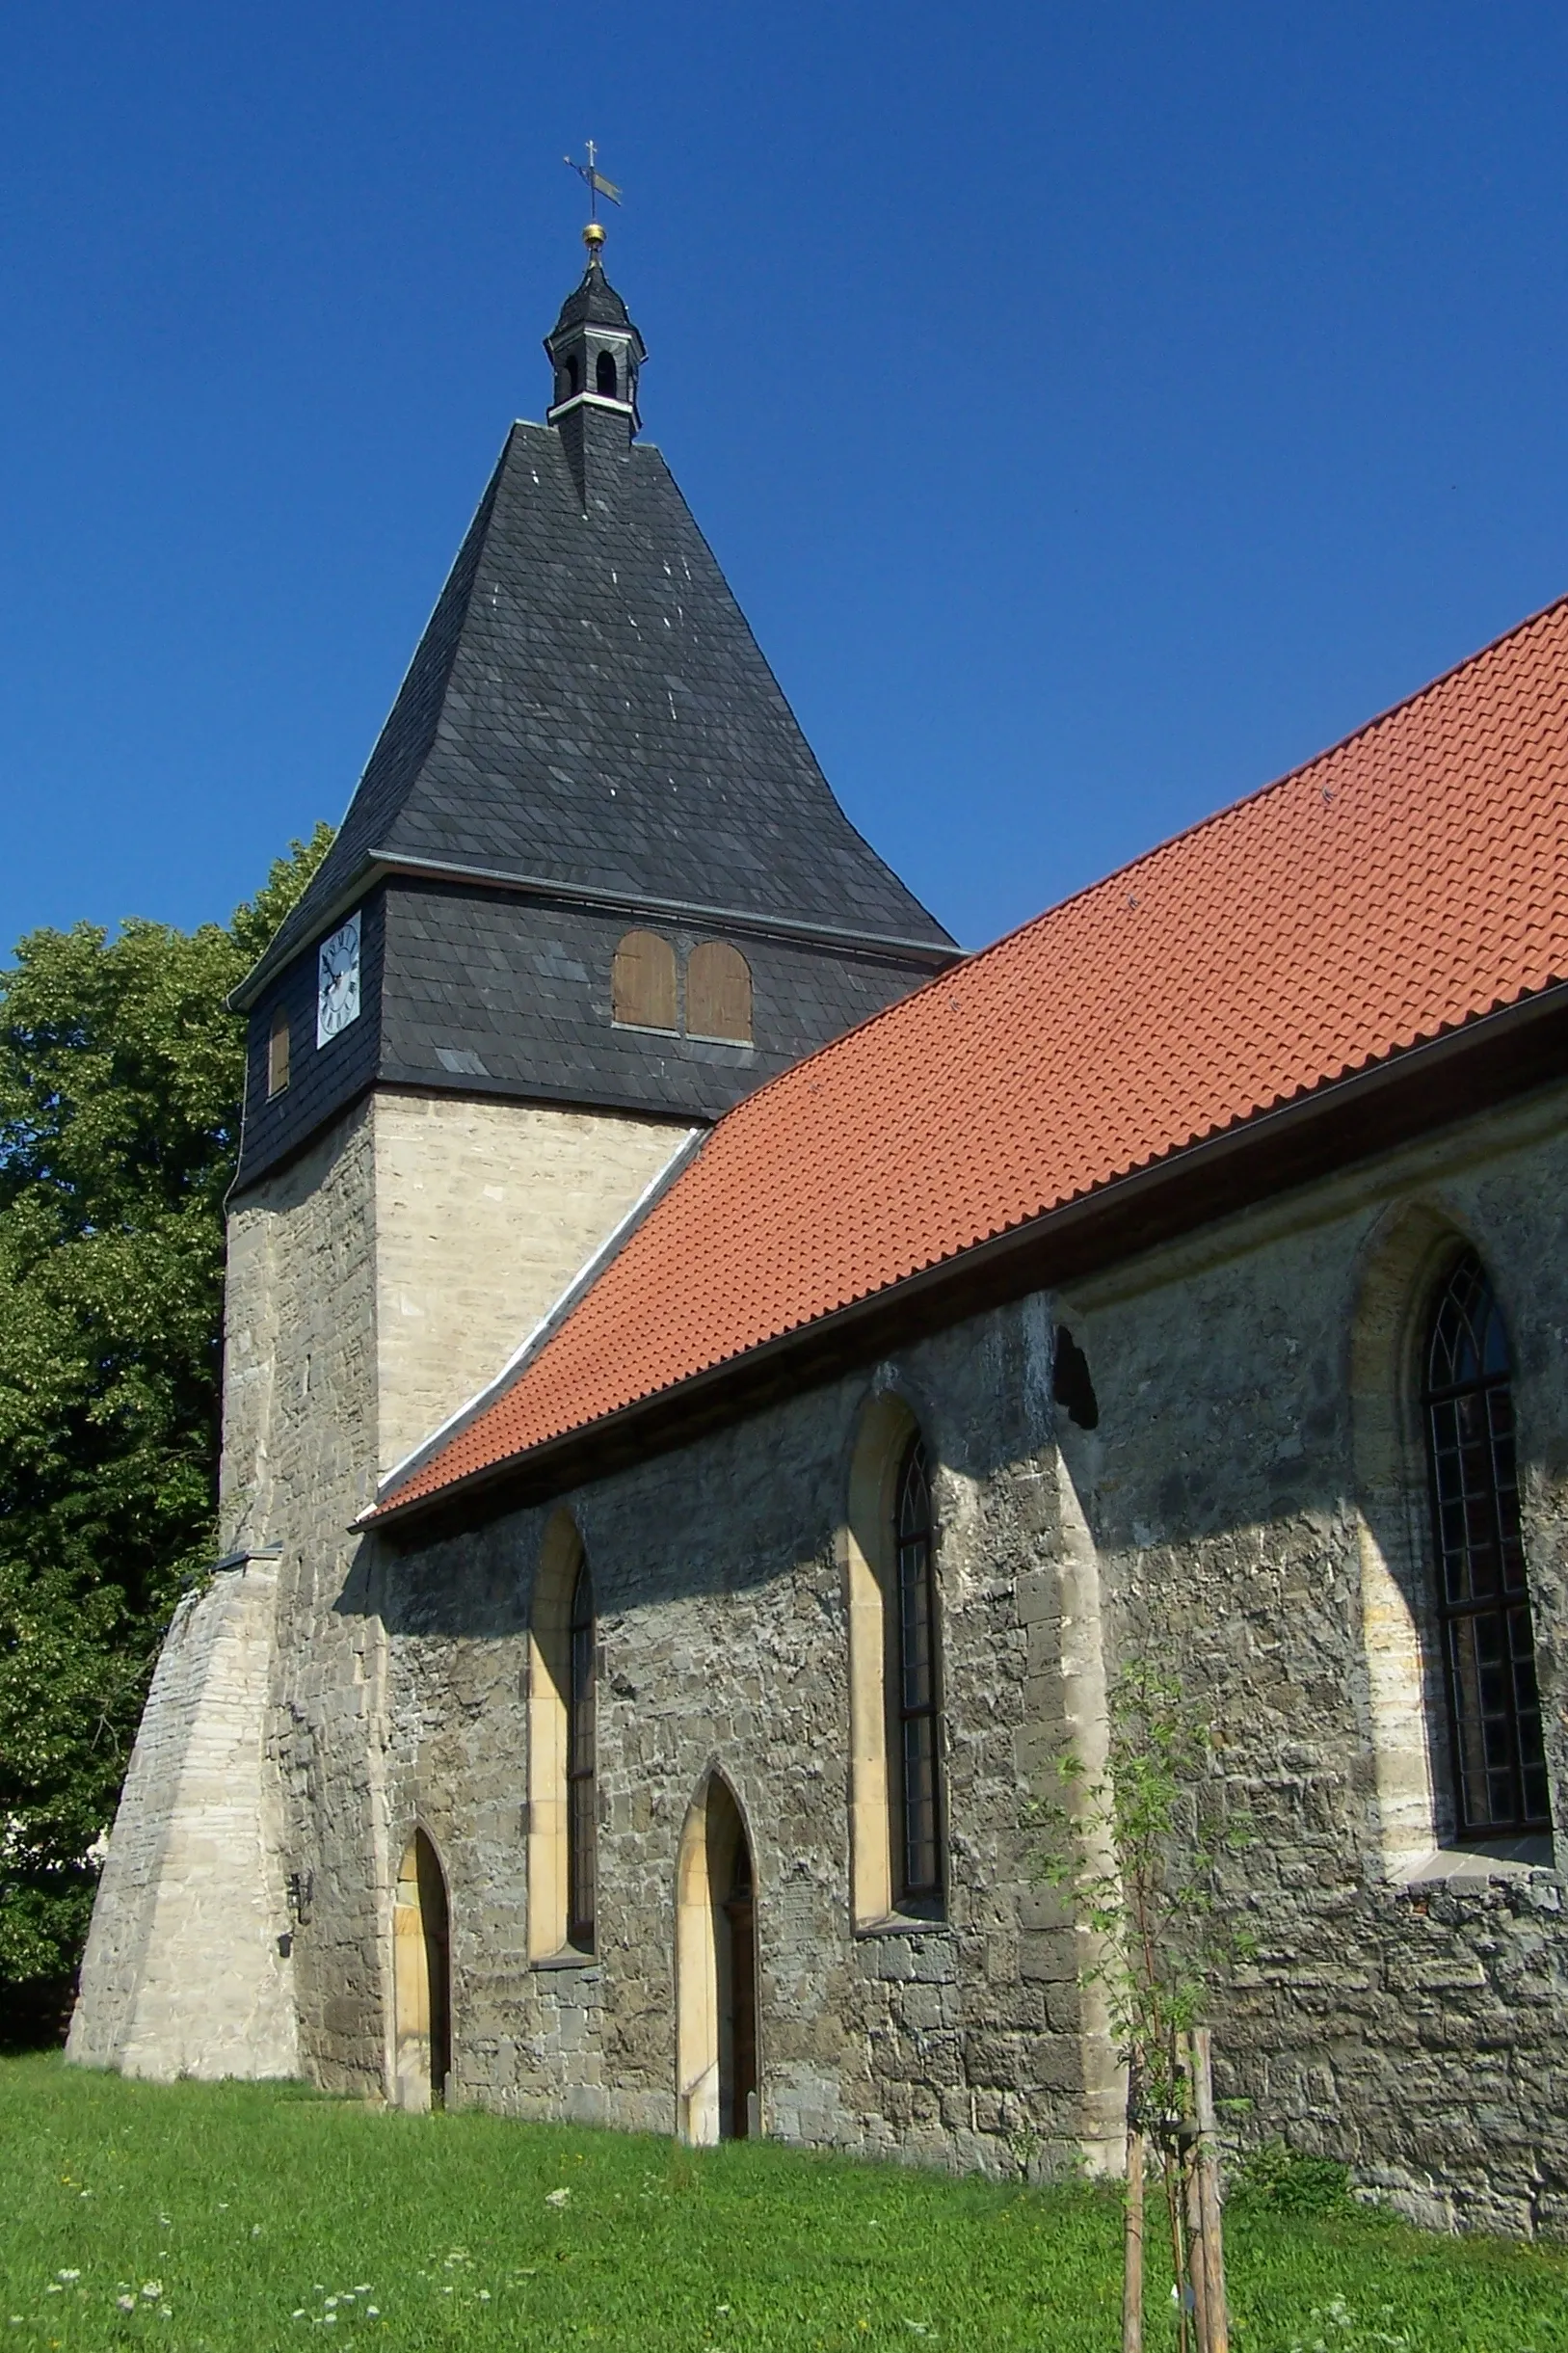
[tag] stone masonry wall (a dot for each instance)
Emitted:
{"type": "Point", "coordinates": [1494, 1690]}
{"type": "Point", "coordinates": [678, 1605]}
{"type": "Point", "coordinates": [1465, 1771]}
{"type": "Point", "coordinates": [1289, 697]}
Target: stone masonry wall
{"type": "Point", "coordinates": [484, 1213]}
{"type": "Point", "coordinates": [1412, 2021]}
{"type": "Point", "coordinates": [186, 1969]}
{"type": "Point", "coordinates": [720, 1587]}
{"type": "Point", "coordinates": [373, 1285]}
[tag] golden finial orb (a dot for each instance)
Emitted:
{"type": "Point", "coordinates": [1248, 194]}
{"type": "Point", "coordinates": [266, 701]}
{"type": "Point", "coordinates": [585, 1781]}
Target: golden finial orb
{"type": "Point", "coordinates": [592, 236]}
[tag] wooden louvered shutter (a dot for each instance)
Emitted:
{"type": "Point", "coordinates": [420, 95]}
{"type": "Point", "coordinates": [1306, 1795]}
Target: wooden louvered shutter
{"type": "Point", "coordinates": [642, 982]}
{"type": "Point", "coordinates": [719, 993]}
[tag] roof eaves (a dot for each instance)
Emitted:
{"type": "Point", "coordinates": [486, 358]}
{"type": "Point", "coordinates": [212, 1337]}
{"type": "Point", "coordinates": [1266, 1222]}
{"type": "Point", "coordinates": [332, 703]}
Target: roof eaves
{"type": "Point", "coordinates": [1481, 1032]}
{"type": "Point", "coordinates": [370, 870]}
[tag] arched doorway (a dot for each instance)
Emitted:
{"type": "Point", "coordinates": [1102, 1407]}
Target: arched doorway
{"type": "Point", "coordinates": [421, 1979]}
{"type": "Point", "coordinates": [716, 2053]}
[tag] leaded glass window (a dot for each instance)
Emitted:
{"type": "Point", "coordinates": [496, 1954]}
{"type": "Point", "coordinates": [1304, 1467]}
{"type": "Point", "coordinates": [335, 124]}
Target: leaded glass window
{"type": "Point", "coordinates": [919, 1827]}
{"type": "Point", "coordinates": [1483, 1595]}
{"type": "Point", "coordinates": [580, 1769]}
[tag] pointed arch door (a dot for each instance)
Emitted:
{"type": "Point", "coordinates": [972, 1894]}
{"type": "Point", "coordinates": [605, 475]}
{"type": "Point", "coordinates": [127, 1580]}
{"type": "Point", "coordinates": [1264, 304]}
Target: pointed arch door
{"type": "Point", "coordinates": [421, 1979]}
{"type": "Point", "coordinates": [718, 2080]}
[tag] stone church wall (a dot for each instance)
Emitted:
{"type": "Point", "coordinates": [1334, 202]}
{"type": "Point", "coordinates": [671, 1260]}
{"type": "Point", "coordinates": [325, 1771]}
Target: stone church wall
{"type": "Point", "coordinates": [1259, 1515]}
{"type": "Point", "coordinates": [373, 1285]}
{"type": "Point", "coordinates": [720, 1590]}
{"type": "Point", "coordinates": [186, 1969]}
{"type": "Point", "coordinates": [1405, 2008]}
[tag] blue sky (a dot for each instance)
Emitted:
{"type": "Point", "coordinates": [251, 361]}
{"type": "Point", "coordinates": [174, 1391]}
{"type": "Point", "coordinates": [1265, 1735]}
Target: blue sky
{"type": "Point", "coordinates": [1097, 410]}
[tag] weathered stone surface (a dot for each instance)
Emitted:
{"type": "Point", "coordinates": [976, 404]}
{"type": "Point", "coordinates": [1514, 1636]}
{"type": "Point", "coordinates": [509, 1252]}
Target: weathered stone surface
{"type": "Point", "coordinates": [1249, 1506]}
{"type": "Point", "coordinates": [186, 1970]}
{"type": "Point", "coordinates": [373, 1285]}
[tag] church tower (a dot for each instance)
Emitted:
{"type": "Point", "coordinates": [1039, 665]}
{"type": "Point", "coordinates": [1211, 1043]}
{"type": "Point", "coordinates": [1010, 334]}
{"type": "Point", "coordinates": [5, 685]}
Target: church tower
{"type": "Point", "coordinates": [592, 888]}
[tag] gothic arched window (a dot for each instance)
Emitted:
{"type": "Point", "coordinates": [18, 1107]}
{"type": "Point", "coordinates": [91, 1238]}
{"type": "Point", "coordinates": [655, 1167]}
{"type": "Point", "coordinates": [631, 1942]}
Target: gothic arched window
{"type": "Point", "coordinates": [916, 1694]}
{"type": "Point", "coordinates": [605, 375]}
{"type": "Point", "coordinates": [581, 1768]}
{"type": "Point", "coordinates": [1483, 1594]}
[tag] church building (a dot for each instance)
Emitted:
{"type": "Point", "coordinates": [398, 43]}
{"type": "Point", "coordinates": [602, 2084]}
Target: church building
{"type": "Point", "coordinates": [716, 1385]}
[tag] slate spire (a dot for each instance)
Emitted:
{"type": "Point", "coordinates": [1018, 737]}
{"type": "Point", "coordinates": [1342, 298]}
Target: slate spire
{"type": "Point", "coordinates": [597, 354]}
{"type": "Point", "coordinates": [588, 745]}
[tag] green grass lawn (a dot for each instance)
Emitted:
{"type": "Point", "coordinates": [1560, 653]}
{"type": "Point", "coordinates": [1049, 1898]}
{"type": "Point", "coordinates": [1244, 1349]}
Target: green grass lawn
{"type": "Point", "coordinates": [245, 2216]}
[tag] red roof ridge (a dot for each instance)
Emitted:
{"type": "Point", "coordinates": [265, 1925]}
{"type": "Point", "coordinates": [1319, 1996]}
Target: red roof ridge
{"type": "Point", "coordinates": [973, 957]}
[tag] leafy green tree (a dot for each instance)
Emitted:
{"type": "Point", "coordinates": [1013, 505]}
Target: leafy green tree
{"type": "Point", "coordinates": [122, 1074]}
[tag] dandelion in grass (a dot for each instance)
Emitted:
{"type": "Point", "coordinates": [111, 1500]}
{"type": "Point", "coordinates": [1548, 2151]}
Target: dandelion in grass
{"type": "Point", "coordinates": [152, 2290]}
{"type": "Point", "coordinates": [558, 2196]}
{"type": "Point", "coordinates": [126, 2304]}
{"type": "Point", "coordinates": [67, 2276]}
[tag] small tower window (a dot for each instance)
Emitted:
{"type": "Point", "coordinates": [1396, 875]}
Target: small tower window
{"type": "Point", "coordinates": [719, 993]}
{"type": "Point", "coordinates": [642, 982]}
{"type": "Point", "coordinates": [574, 376]}
{"type": "Point", "coordinates": [278, 1054]}
{"type": "Point", "coordinates": [604, 376]}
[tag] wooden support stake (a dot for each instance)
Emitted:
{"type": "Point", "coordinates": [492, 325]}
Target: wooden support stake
{"type": "Point", "coordinates": [1133, 2264]}
{"type": "Point", "coordinates": [1196, 2250]}
{"type": "Point", "coordinates": [1207, 2170]}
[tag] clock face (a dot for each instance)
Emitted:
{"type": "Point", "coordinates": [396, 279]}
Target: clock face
{"type": "Point", "coordinates": [337, 981]}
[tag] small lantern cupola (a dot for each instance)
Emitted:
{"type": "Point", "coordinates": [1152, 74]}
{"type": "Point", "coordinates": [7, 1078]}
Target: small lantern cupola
{"type": "Point", "coordinates": [594, 348]}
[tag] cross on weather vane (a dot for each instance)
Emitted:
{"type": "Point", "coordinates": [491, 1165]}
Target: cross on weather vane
{"type": "Point", "coordinates": [598, 184]}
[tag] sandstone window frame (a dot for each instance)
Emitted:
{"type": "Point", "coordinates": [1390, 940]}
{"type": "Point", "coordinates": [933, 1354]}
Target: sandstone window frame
{"type": "Point", "coordinates": [644, 983]}
{"type": "Point", "coordinates": [888, 1432]}
{"type": "Point", "coordinates": [1410, 1249]}
{"type": "Point", "coordinates": [1472, 1492]}
{"type": "Point", "coordinates": [552, 1848]}
{"type": "Point", "coordinates": [582, 1764]}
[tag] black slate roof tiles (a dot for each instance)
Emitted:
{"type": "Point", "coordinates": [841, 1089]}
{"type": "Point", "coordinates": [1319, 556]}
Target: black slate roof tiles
{"type": "Point", "coordinates": [588, 706]}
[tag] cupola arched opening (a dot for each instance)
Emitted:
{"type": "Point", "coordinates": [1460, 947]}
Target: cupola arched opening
{"type": "Point", "coordinates": [604, 376]}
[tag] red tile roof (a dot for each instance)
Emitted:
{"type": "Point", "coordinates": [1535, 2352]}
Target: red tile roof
{"type": "Point", "coordinates": [1411, 880]}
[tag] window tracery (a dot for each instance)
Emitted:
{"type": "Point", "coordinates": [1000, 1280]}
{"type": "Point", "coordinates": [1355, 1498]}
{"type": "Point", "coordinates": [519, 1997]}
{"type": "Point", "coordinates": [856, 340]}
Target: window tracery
{"type": "Point", "coordinates": [918, 1796]}
{"type": "Point", "coordinates": [1482, 1591]}
{"type": "Point", "coordinates": [581, 1769]}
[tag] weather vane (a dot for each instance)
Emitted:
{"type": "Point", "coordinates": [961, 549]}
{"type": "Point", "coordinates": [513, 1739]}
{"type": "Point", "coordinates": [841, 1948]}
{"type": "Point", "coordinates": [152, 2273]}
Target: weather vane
{"type": "Point", "coordinates": [598, 186]}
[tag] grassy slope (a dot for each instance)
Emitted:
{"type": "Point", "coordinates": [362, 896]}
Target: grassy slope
{"type": "Point", "coordinates": [249, 2203]}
